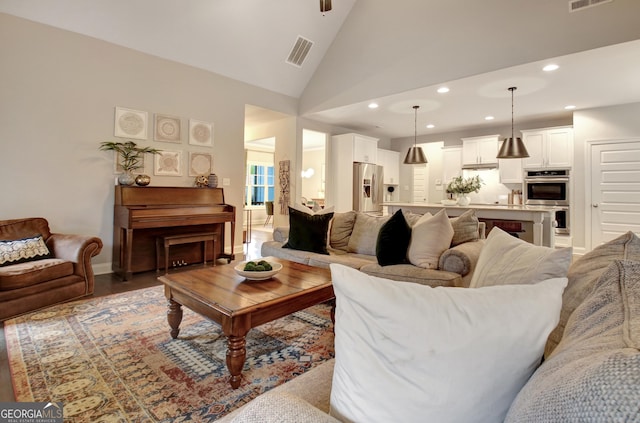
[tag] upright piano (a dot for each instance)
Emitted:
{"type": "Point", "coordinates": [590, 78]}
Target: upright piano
{"type": "Point", "coordinates": [143, 213]}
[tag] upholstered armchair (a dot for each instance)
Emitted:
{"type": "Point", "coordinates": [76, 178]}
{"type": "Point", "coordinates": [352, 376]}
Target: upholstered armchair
{"type": "Point", "coordinates": [39, 268]}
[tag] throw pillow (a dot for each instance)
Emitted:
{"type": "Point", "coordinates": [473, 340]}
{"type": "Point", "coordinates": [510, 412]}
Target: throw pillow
{"type": "Point", "coordinates": [365, 234]}
{"type": "Point", "coordinates": [307, 210]}
{"type": "Point", "coordinates": [584, 273]}
{"type": "Point", "coordinates": [393, 240]}
{"type": "Point", "coordinates": [308, 232]}
{"type": "Point", "coordinates": [594, 373]}
{"type": "Point", "coordinates": [430, 237]}
{"type": "Point", "coordinates": [23, 250]}
{"type": "Point", "coordinates": [407, 352]}
{"type": "Point", "coordinates": [505, 259]}
{"type": "Point", "coordinates": [465, 228]}
{"type": "Point", "coordinates": [341, 228]}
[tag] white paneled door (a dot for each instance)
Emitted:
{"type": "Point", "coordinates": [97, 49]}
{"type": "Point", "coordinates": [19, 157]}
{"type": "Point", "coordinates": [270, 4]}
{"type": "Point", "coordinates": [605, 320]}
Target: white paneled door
{"type": "Point", "coordinates": [420, 183]}
{"type": "Point", "coordinates": [615, 190]}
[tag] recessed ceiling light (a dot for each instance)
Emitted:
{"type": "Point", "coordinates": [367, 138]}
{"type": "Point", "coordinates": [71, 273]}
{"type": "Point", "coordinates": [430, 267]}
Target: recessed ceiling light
{"type": "Point", "coordinates": [431, 126]}
{"type": "Point", "coordinates": [489, 118]}
{"type": "Point", "coordinates": [550, 67]}
{"type": "Point", "coordinates": [373, 105]}
{"type": "Point", "coordinates": [570, 107]}
{"type": "Point", "coordinates": [443, 90]}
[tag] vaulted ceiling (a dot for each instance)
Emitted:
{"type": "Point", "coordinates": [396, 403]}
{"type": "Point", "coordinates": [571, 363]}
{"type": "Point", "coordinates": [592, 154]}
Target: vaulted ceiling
{"type": "Point", "coordinates": [394, 53]}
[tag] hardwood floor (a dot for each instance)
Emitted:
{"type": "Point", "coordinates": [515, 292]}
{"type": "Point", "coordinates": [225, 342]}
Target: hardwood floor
{"type": "Point", "coordinates": [110, 284]}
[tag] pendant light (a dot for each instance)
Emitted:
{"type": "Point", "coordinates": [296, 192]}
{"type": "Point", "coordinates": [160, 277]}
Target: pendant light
{"type": "Point", "coordinates": [415, 155]}
{"type": "Point", "coordinates": [512, 148]}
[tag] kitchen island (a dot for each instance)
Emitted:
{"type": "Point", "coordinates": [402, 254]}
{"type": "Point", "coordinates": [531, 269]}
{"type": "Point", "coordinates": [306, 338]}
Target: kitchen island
{"type": "Point", "coordinates": [543, 218]}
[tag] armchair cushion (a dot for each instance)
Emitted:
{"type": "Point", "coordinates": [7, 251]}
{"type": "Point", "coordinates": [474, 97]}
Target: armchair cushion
{"type": "Point", "coordinates": [23, 250]}
{"type": "Point", "coordinates": [34, 272]}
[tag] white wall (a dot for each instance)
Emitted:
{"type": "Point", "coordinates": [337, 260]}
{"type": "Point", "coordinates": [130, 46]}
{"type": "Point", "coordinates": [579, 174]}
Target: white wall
{"type": "Point", "coordinates": [313, 159]}
{"type": "Point", "coordinates": [606, 123]}
{"type": "Point", "coordinates": [58, 93]}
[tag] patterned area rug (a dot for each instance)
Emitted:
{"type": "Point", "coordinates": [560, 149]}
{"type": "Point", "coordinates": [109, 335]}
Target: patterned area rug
{"type": "Point", "coordinates": [111, 359]}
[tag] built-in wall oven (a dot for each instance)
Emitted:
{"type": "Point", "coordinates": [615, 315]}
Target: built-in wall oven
{"type": "Point", "coordinates": [549, 188]}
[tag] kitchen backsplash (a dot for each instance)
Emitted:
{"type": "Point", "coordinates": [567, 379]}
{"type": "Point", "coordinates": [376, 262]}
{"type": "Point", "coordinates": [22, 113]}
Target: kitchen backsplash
{"type": "Point", "coordinates": [492, 190]}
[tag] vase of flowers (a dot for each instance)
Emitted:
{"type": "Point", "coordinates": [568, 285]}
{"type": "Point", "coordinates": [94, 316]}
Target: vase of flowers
{"type": "Point", "coordinates": [130, 158]}
{"type": "Point", "coordinates": [463, 186]}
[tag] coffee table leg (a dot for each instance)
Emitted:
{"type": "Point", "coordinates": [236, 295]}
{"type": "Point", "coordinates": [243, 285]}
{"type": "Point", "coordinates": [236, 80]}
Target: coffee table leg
{"type": "Point", "coordinates": [236, 354]}
{"type": "Point", "coordinates": [174, 317]}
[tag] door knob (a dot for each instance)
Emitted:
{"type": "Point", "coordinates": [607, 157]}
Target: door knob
{"type": "Point", "coordinates": [594, 205]}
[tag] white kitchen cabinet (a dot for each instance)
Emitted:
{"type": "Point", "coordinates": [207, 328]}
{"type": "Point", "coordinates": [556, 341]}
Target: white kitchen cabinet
{"type": "Point", "coordinates": [480, 150]}
{"type": "Point", "coordinates": [548, 148]}
{"type": "Point", "coordinates": [346, 149]}
{"type": "Point", "coordinates": [390, 160]}
{"type": "Point", "coordinates": [365, 149]}
{"type": "Point", "coordinates": [510, 170]}
{"type": "Point", "coordinates": [451, 164]}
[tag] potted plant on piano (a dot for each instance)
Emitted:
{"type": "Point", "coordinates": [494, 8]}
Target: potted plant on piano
{"type": "Point", "coordinates": [130, 158]}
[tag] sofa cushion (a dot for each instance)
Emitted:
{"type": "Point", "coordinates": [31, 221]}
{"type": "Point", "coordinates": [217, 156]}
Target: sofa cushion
{"type": "Point", "coordinates": [281, 407]}
{"type": "Point", "coordinates": [506, 259]}
{"type": "Point", "coordinates": [594, 373]}
{"type": "Point", "coordinates": [411, 353]}
{"type": "Point", "coordinates": [430, 237]}
{"type": "Point", "coordinates": [30, 273]}
{"type": "Point", "coordinates": [348, 259]}
{"type": "Point", "coordinates": [411, 273]}
{"type": "Point", "coordinates": [465, 228]}
{"type": "Point", "coordinates": [584, 273]}
{"type": "Point", "coordinates": [23, 250]}
{"type": "Point", "coordinates": [365, 234]}
{"type": "Point", "coordinates": [393, 240]}
{"type": "Point", "coordinates": [341, 228]}
{"type": "Point", "coordinates": [308, 232]}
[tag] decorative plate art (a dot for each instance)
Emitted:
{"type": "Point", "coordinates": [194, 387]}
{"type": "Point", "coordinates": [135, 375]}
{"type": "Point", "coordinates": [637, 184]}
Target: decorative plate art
{"type": "Point", "coordinates": [200, 133]}
{"type": "Point", "coordinates": [168, 163]}
{"type": "Point", "coordinates": [130, 124]}
{"type": "Point", "coordinates": [167, 128]}
{"type": "Point", "coordinates": [200, 163]}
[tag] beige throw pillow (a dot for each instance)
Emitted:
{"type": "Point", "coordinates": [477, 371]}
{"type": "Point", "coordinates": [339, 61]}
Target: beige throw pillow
{"type": "Point", "coordinates": [430, 237]}
{"type": "Point", "coordinates": [584, 273]}
{"type": "Point", "coordinates": [465, 228]}
{"type": "Point", "coordinates": [341, 229]}
{"type": "Point", "coordinates": [507, 260]}
{"type": "Point", "coordinates": [365, 234]}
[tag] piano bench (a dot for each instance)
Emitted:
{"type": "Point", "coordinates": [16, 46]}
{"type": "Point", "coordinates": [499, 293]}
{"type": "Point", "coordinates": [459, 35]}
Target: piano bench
{"type": "Point", "coordinates": [168, 241]}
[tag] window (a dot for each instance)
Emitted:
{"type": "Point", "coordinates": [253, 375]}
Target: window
{"type": "Point", "coordinates": [259, 186]}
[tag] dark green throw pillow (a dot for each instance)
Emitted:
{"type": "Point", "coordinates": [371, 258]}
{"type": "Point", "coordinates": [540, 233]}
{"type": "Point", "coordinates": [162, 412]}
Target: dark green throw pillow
{"type": "Point", "coordinates": [308, 232]}
{"type": "Point", "coordinates": [393, 240]}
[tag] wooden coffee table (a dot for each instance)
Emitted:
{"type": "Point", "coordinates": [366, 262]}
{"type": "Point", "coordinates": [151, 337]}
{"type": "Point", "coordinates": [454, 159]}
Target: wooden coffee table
{"type": "Point", "coordinates": [238, 305]}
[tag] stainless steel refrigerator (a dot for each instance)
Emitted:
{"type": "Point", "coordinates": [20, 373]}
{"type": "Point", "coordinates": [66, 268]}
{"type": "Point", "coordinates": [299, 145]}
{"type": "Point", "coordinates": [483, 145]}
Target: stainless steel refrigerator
{"type": "Point", "coordinates": [367, 187]}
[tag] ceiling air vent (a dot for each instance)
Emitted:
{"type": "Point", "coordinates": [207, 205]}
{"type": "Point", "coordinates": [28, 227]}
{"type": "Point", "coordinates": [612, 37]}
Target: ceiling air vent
{"type": "Point", "coordinates": [299, 51]}
{"type": "Point", "coordinates": [575, 5]}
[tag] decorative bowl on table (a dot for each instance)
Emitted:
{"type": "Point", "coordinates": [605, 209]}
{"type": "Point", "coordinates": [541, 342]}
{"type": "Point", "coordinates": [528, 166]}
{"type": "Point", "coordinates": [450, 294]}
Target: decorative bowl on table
{"type": "Point", "coordinates": [257, 271]}
{"type": "Point", "coordinates": [449, 202]}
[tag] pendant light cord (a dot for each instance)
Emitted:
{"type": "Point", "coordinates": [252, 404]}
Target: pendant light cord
{"type": "Point", "coordinates": [512, 89]}
{"type": "Point", "coordinates": [415, 126]}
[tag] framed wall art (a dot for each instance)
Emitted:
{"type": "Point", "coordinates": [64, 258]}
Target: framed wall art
{"type": "Point", "coordinates": [130, 124]}
{"type": "Point", "coordinates": [200, 163]}
{"type": "Point", "coordinates": [167, 128]}
{"type": "Point", "coordinates": [200, 133]}
{"type": "Point", "coordinates": [168, 163]}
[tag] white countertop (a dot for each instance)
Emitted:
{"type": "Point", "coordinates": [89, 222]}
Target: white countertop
{"type": "Point", "coordinates": [511, 207]}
